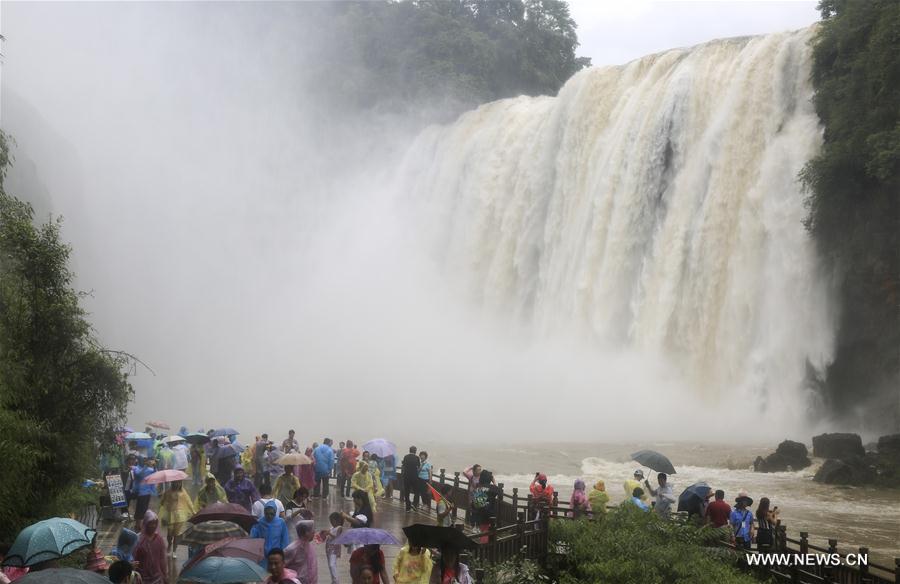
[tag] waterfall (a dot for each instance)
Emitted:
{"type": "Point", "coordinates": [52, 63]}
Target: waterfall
{"type": "Point", "coordinates": [653, 206]}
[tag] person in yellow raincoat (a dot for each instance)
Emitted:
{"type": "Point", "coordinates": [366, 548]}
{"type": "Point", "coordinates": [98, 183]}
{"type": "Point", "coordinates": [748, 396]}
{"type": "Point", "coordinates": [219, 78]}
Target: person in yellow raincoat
{"type": "Point", "coordinates": [211, 493]}
{"type": "Point", "coordinates": [375, 472]}
{"type": "Point", "coordinates": [413, 565]}
{"type": "Point", "coordinates": [635, 483]}
{"type": "Point", "coordinates": [362, 480]}
{"type": "Point", "coordinates": [286, 485]}
{"type": "Point", "coordinates": [247, 458]}
{"type": "Point", "coordinates": [598, 499]}
{"type": "Point", "coordinates": [175, 508]}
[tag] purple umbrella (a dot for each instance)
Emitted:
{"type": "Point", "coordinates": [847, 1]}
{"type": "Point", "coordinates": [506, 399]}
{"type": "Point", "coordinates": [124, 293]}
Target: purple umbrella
{"type": "Point", "coordinates": [380, 446]}
{"type": "Point", "coordinates": [366, 536]}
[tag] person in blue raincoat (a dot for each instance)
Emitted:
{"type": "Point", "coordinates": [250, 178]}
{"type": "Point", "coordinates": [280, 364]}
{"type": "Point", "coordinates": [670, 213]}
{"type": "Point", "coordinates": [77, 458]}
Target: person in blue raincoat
{"type": "Point", "coordinates": [324, 460]}
{"type": "Point", "coordinates": [272, 529]}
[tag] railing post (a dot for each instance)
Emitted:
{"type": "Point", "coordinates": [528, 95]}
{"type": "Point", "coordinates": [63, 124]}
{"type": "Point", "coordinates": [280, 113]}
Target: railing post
{"type": "Point", "coordinates": [492, 541]}
{"type": "Point", "coordinates": [863, 567]}
{"type": "Point", "coordinates": [479, 576]}
{"type": "Point", "coordinates": [500, 505]}
{"type": "Point", "coordinates": [520, 533]}
{"type": "Point", "coordinates": [530, 508]}
{"type": "Point", "coordinates": [804, 542]}
{"type": "Point", "coordinates": [896, 569]}
{"type": "Point", "coordinates": [555, 502]}
{"type": "Point", "coordinates": [781, 531]}
{"type": "Point", "coordinates": [515, 500]}
{"type": "Point", "coordinates": [456, 498]}
{"type": "Point", "coordinates": [442, 478]}
{"type": "Point", "coordinates": [832, 571]}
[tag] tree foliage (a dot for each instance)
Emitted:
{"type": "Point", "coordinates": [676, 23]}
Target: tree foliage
{"type": "Point", "coordinates": [451, 53]}
{"type": "Point", "coordinates": [854, 194]}
{"type": "Point", "coordinates": [61, 394]}
{"type": "Point", "coordinates": [634, 546]}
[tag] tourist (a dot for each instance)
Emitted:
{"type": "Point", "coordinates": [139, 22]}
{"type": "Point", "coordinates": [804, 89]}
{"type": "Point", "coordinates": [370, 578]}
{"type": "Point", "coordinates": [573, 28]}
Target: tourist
{"type": "Point", "coordinates": [175, 508]}
{"type": "Point", "coordinates": [286, 485]}
{"type": "Point", "coordinates": [637, 499]}
{"type": "Point", "coordinates": [198, 464]}
{"type": "Point", "coordinates": [143, 490]}
{"type": "Point", "coordinates": [125, 543]}
{"type": "Point", "coordinates": [265, 495]}
{"type": "Point", "coordinates": [96, 561]}
{"type": "Point", "coordinates": [298, 504]}
{"type": "Point", "coordinates": [278, 574]}
{"type": "Point", "coordinates": [271, 529]}
{"type": "Point", "coordinates": [741, 520]}
{"type": "Point", "coordinates": [324, 462]}
{"type": "Point", "coordinates": [718, 512]}
{"type": "Point", "coordinates": [388, 475]}
{"type": "Point", "coordinates": [259, 461]}
{"type": "Point", "coordinates": [541, 495]}
{"type": "Point", "coordinates": [444, 507]}
{"type": "Point", "coordinates": [412, 565]}
{"type": "Point", "coordinates": [425, 476]}
{"type": "Point", "coordinates": [632, 484]}
{"type": "Point", "coordinates": [180, 456]}
{"type": "Point", "coordinates": [362, 515]}
{"type": "Point", "coordinates": [484, 502]}
{"type": "Point", "coordinates": [663, 494]}
{"type": "Point", "coordinates": [375, 472]}
{"type": "Point", "coordinates": [273, 468]}
{"type": "Point", "coordinates": [307, 472]}
{"type": "Point", "coordinates": [579, 503]}
{"type": "Point", "coordinates": [766, 520]}
{"type": "Point", "coordinates": [150, 553]}
{"type": "Point", "coordinates": [369, 556]}
{"type": "Point", "coordinates": [598, 499]}
{"type": "Point", "coordinates": [240, 490]}
{"type": "Point", "coordinates": [212, 492]}
{"type": "Point", "coordinates": [290, 443]}
{"type": "Point", "coordinates": [409, 469]}
{"type": "Point", "coordinates": [366, 576]}
{"type": "Point", "coordinates": [227, 461]}
{"type": "Point", "coordinates": [300, 556]}
{"type": "Point", "coordinates": [472, 473]}
{"type": "Point", "coordinates": [362, 481]}
{"type": "Point", "coordinates": [333, 550]}
{"type": "Point", "coordinates": [122, 572]}
{"type": "Point", "coordinates": [449, 569]}
{"type": "Point", "coordinates": [347, 468]}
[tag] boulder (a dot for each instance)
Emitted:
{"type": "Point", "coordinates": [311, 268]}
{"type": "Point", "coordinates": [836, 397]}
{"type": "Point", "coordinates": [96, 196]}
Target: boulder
{"type": "Point", "coordinates": [838, 445]}
{"type": "Point", "coordinates": [889, 445]}
{"type": "Point", "coordinates": [789, 455]}
{"type": "Point", "coordinates": [852, 471]}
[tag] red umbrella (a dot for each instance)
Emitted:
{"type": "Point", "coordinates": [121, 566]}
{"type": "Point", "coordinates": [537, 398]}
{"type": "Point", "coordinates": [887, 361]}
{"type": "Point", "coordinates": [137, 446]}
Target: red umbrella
{"type": "Point", "coordinates": [165, 476]}
{"type": "Point", "coordinates": [232, 547]}
{"type": "Point", "coordinates": [225, 512]}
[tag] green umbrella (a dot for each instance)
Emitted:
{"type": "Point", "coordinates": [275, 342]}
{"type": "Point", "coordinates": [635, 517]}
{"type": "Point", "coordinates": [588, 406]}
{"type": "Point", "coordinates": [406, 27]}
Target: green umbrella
{"type": "Point", "coordinates": [217, 570]}
{"type": "Point", "coordinates": [49, 539]}
{"type": "Point", "coordinates": [63, 576]}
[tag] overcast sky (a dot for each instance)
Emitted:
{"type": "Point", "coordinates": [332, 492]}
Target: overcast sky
{"type": "Point", "coordinates": [613, 32]}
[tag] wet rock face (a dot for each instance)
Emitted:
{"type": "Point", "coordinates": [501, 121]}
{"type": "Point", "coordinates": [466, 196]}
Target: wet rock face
{"type": "Point", "coordinates": [840, 446]}
{"type": "Point", "coordinates": [889, 445]}
{"type": "Point", "coordinates": [855, 470]}
{"type": "Point", "coordinates": [789, 455]}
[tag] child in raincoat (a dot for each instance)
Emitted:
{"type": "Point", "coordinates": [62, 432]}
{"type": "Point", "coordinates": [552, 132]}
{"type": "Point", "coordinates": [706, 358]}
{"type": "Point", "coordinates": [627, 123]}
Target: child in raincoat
{"type": "Point", "coordinates": [579, 503]}
{"type": "Point", "coordinates": [211, 493]}
{"type": "Point", "coordinates": [413, 565]}
{"type": "Point", "coordinates": [598, 499]}
{"type": "Point", "coordinates": [175, 508]}
{"type": "Point", "coordinates": [362, 481]}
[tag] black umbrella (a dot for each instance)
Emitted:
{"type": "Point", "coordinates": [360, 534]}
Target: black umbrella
{"type": "Point", "coordinates": [197, 438]}
{"type": "Point", "coordinates": [432, 536]}
{"type": "Point", "coordinates": [654, 460]}
{"type": "Point", "coordinates": [691, 499]}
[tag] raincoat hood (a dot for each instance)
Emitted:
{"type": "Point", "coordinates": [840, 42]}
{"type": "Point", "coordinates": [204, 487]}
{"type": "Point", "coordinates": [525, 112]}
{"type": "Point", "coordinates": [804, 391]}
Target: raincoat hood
{"type": "Point", "coordinates": [579, 485]}
{"type": "Point", "coordinates": [127, 540]}
{"type": "Point", "coordinates": [600, 486]}
{"type": "Point", "coordinates": [151, 523]}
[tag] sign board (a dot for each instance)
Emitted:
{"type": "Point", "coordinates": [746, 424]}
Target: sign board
{"type": "Point", "coordinates": [116, 491]}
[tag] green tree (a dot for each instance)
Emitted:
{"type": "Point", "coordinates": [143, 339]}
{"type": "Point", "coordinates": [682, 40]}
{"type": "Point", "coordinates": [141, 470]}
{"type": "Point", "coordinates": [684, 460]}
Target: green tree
{"type": "Point", "coordinates": [61, 393]}
{"type": "Point", "coordinates": [854, 196]}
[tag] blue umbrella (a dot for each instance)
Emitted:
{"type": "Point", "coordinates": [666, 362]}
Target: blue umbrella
{"type": "Point", "coordinates": [49, 539]}
{"type": "Point", "coordinates": [63, 576]}
{"type": "Point", "coordinates": [380, 446]}
{"type": "Point", "coordinates": [225, 432]}
{"type": "Point", "coordinates": [366, 536]}
{"type": "Point", "coordinates": [221, 570]}
{"type": "Point", "coordinates": [691, 499]}
{"type": "Point", "coordinates": [138, 436]}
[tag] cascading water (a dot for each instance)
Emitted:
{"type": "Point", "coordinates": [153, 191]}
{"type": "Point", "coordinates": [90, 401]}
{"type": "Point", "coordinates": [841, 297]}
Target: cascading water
{"type": "Point", "coordinates": [654, 206]}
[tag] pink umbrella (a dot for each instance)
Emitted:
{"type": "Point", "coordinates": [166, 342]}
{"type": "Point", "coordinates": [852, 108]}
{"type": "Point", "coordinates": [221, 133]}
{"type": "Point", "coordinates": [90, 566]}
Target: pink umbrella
{"type": "Point", "coordinates": [231, 547]}
{"type": "Point", "coordinates": [165, 476]}
{"type": "Point", "coordinates": [159, 424]}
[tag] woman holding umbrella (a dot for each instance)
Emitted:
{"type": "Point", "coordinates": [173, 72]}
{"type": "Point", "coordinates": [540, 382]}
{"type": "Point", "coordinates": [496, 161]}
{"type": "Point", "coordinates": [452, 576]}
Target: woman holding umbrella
{"type": "Point", "coordinates": [362, 515]}
{"type": "Point", "coordinates": [369, 556]}
{"type": "Point", "coordinates": [150, 553]}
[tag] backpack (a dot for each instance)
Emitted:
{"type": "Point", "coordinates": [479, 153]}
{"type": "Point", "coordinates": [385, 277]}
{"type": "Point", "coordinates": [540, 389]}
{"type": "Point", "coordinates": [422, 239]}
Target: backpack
{"type": "Point", "coordinates": [480, 498]}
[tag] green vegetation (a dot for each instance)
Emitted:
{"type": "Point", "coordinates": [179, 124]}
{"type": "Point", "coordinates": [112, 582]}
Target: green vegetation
{"type": "Point", "coordinates": [61, 394]}
{"type": "Point", "coordinates": [633, 546]}
{"type": "Point", "coordinates": [451, 54]}
{"type": "Point", "coordinates": [854, 196]}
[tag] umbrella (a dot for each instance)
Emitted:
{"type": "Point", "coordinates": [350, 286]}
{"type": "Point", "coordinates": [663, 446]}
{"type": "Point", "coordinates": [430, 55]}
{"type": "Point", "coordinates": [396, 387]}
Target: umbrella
{"type": "Point", "coordinates": [63, 576]}
{"type": "Point", "coordinates": [432, 536]}
{"type": "Point", "coordinates": [294, 458]}
{"type": "Point", "coordinates": [366, 536]}
{"type": "Point", "coordinates": [218, 570]}
{"type": "Point", "coordinates": [173, 439]}
{"type": "Point", "coordinates": [225, 512]}
{"type": "Point", "coordinates": [225, 432]}
{"type": "Point", "coordinates": [245, 547]}
{"type": "Point", "coordinates": [158, 424]}
{"type": "Point", "coordinates": [138, 436]}
{"type": "Point", "coordinates": [381, 447]}
{"type": "Point", "coordinates": [124, 430]}
{"type": "Point", "coordinates": [691, 498]}
{"type": "Point", "coordinates": [49, 539]}
{"type": "Point", "coordinates": [653, 460]}
{"type": "Point", "coordinates": [165, 476]}
{"type": "Point", "coordinates": [197, 438]}
{"type": "Point", "coordinates": [211, 531]}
